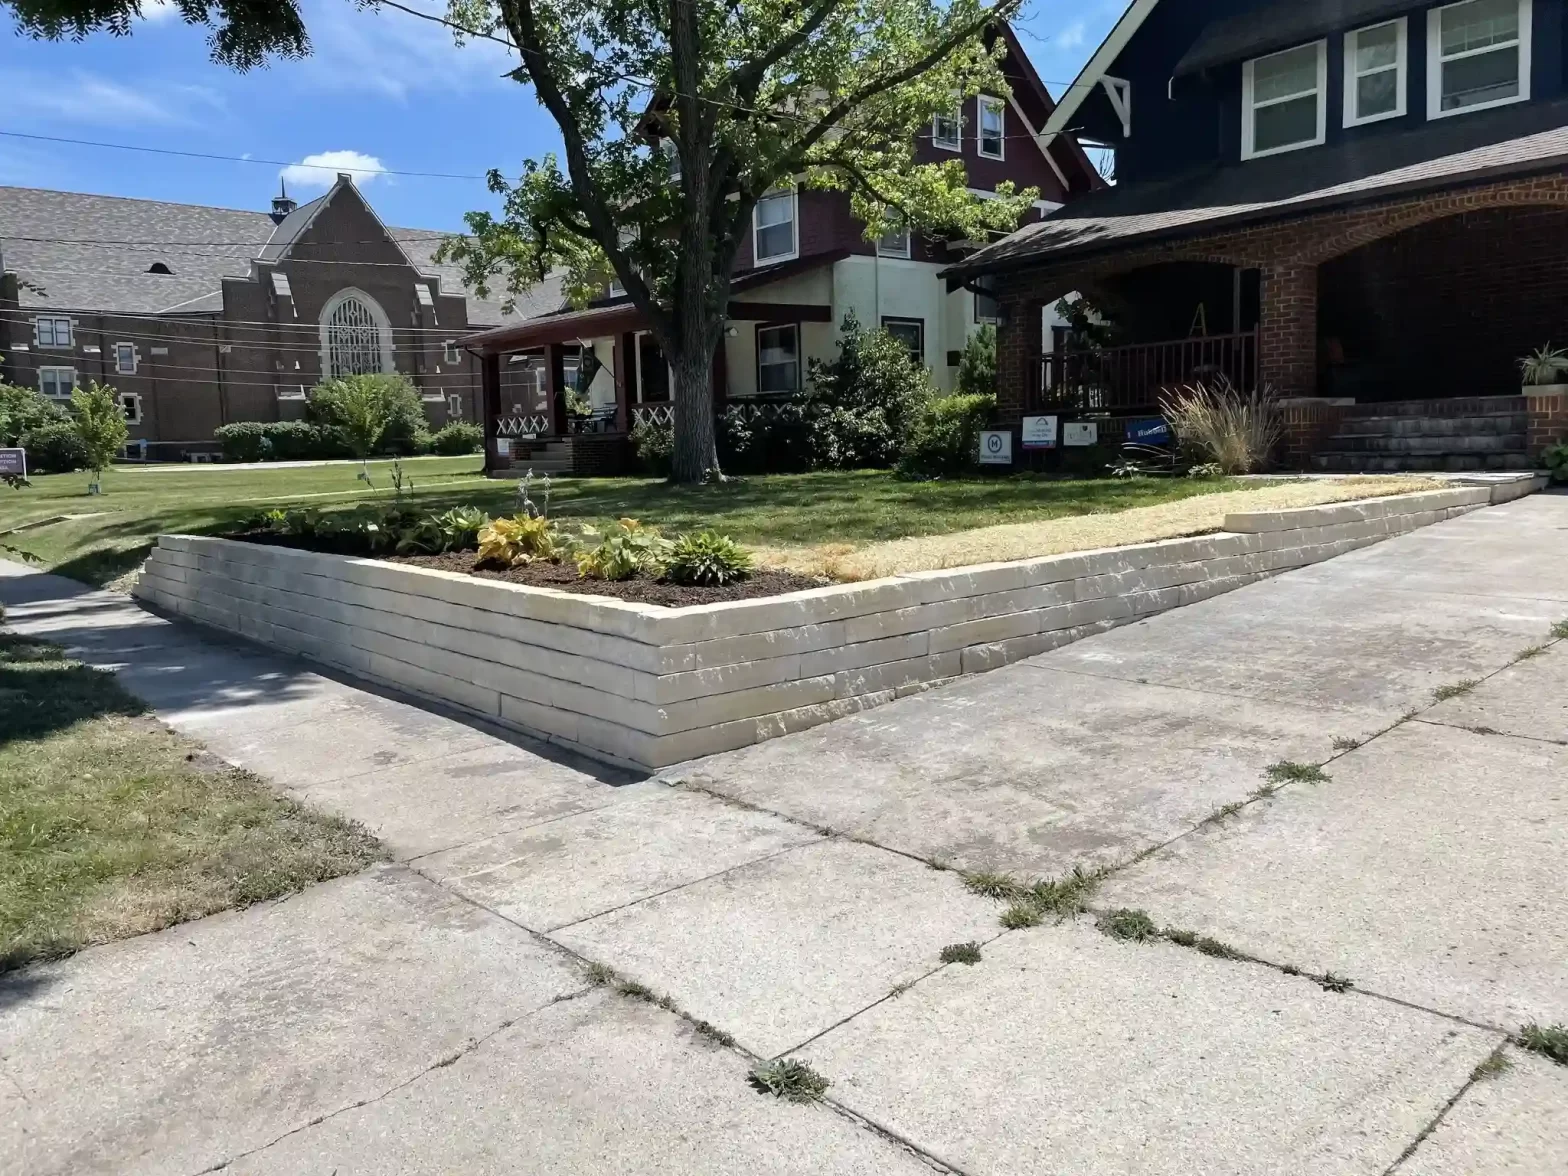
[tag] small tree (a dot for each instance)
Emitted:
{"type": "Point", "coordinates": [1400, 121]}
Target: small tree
{"type": "Point", "coordinates": [862, 403]}
{"type": "Point", "coordinates": [977, 367]}
{"type": "Point", "coordinates": [100, 424]}
{"type": "Point", "coordinates": [363, 409]}
{"type": "Point", "coordinates": [25, 409]}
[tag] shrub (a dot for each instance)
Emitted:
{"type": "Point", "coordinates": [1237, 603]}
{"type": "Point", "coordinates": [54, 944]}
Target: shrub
{"type": "Point", "coordinates": [458, 438]}
{"type": "Point", "coordinates": [707, 558]}
{"type": "Point", "coordinates": [654, 446]}
{"type": "Point", "coordinates": [862, 404]}
{"type": "Point", "coordinates": [626, 550]}
{"type": "Point", "coordinates": [23, 410]}
{"type": "Point", "coordinates": [1556, 460]}
{"type": "Point", "coordinates": [243, 441]}
{"type": "Point", "coordinates": [54, 448]}
{"type": "Point", "coordinates": [371, 413]}
{"type": "Point", "coordinates": [977, 366]}
{"type": "Point", "coordinates": [945, 437]}
{"type": "Point", "coordinates": [100, 423]}
{"type": "Point", "coordinates": [513, 542]}
{"type": "Point", "coordinates": [772, 442]}
{"type": "Point", "coordinates": [1215, 423]}
{"type": "Point", "coordinates": [302, 441]}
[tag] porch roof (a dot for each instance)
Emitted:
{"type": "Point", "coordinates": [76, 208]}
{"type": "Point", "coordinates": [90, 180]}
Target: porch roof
{"type": "Point", "coordinates": [1445, 154]}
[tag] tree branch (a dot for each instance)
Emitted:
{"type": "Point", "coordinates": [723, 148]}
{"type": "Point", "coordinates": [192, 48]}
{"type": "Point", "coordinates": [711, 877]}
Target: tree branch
{"type": "Point", "coordinates": [746, 80]}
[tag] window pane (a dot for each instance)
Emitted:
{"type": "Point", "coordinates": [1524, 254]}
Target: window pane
{"type": "Point", "coordinates": [1377, 48]}
{"type": "Point", "coordinates": [1285, 74]}
{"type": "Point", "coordinates": [776, 240]}
{"type": "Point", "coordinates": [1486, 77]}
{"type": "Point", "coordinates": [1478, 24]}
{"type": "Point", "coordinates": [1285, 123]}
{"type": "Point", "coordinates": [1377, 94]}
{"type": "Point", "coordinates": [909, 334]}
{"type": "Point", "coordinates": [945, 128]}
{"type": "Point", "coordinates": [991, 127]}
{"type": "Point", "coordinates": [778, 360]}
{"type": "Point", "coordinates": [774, 210]}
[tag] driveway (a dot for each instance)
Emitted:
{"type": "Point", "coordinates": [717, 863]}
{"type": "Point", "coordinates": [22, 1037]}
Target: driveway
{"type": "Point", "coordinates": [1339, 796]}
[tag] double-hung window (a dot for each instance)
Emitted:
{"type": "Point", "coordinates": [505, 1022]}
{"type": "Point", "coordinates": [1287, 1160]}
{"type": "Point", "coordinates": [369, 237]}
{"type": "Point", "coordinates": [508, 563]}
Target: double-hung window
{"type": "Point", "coordinates": [911, 332]}
{"type": "Point", "coordinates": [1478, 55]}
{"type": "Point", "coordinates": [992, 127]}
{"type": "Point", "coordinates": [1375, 72]}
{"type": "Point", "coordinates": [49, 331]}
{"type": "Point", "coordinates": [1284, 100]}
{"type": "Point", "coordinates": [56, 382]}
{"type": "Point", "coordinates": [947, 130]}
{"type": "Point", "coordinates": [778, 358]}
{"type": "Point", "coordinates": [894, 242]}
{"type": "Point", "coordinates": [125, 358]}
{"type": "Point", "coordinates": [773, 227]}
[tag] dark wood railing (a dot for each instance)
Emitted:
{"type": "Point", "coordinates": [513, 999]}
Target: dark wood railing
{"type": "Point", "coordinates": [1130, 378]}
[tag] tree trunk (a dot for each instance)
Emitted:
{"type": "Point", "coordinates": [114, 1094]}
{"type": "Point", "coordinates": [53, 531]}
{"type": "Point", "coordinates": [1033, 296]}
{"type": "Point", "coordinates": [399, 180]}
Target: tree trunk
{"type": "Point", "coordinates": [696, 456]}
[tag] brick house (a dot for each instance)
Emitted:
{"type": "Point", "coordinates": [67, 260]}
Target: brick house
{"type": "Point", "coordinates": [1362, 204]}
{"type": "Point", "coordinates": [804, 266]}
{"type": "Point", "coordinates": [201, 316]}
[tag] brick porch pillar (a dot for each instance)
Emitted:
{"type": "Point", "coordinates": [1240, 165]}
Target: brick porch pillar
{"type": "Point", "coordinates": [1548, 418]}
{"type": "Point", "coordinates": [1288, 329]}
{"type": "Point", "coordinates": [1017, 343]}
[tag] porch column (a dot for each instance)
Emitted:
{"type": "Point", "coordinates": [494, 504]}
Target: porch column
{"type": "Point", "coordinates": [554, 396]}
{"type": "Point", "coordinates": [623, 383]}
{"type": "Point", "coordinates": [490, 405]}
{"type": "Point", "coordinates": [1288, 329]}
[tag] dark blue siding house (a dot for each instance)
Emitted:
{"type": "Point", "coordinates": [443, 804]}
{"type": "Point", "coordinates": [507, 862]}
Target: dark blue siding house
{"type": "Point", "coordinates": [1362, 204]}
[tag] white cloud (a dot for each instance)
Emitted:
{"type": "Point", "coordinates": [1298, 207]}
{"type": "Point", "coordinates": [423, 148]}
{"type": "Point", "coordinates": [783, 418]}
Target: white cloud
{"type": "Point", "coordinates": [158, 11]}
{"type": "Point", "coordinates": [321, 169]}
{"type": "Point", "coordinates": [1072, 37]}
{"type": "Point", "coordinates": [88, 98]}
{"type": "Point", "coordinates": [392, 54]}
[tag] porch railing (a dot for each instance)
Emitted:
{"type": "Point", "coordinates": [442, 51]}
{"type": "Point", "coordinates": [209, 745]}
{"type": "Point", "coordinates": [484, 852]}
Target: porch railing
{"type": "Point", "coordinates": [1131, 377]}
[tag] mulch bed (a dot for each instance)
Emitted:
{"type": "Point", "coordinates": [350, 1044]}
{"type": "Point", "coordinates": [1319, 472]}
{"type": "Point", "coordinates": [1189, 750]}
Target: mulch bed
{"type": "Point", "coordinates": [564, 578]}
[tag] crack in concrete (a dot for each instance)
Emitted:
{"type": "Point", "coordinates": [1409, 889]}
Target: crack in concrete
{"type": "Point", "coordinates": [1437, 1119]}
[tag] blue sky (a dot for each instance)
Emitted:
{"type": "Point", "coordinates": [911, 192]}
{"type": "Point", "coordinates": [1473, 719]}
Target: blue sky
{"type": "Point", "coordinates": [381, 88]}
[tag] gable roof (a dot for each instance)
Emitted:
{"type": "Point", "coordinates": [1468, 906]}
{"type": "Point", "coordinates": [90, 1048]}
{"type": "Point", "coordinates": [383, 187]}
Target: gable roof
{"type": "Point", "coordinates": [94, 253]}
{"type": "Point", "coordinates": [1280, 25]}
{"type": "Point", "coordinates": [1096, 67]}
{"type": "Point", "coordinates": [1074, 156]}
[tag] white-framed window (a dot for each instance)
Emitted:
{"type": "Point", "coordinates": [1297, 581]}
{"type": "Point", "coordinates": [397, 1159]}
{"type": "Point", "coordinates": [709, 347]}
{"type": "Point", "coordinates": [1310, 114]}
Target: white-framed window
{"type": "Point", "coordinates": [991, 127]}
{"type": "Point", "coordinates": [911, 332]}
{"type": "Point", "coordinates": [1375, 72]}
{"type": "Point", "coordinates": [125, 359]}
{"type": "Point", "coordinates": [1284, 101]}
{"type": "Point", "coordinates": [1478, 56]}
{"type": "Point", "coordinates": [894, 242]}
{"type": "Point", "coordinates": [773, 223]}
{"type": "Point", "coordinates": [57, 382]}
{"type": "Point", "coordinates": [356, 336]}
{"type": "Point", "coordinates": [131, 405]}
{"type": "Point", "coordinates": [452, 354]}
{"type": "Point", "coordinates": [454, 406]}
{"type": "Point", "coordinates": [947, 130]}
{"type": "Point", "coordinates": [49, 331]}
{"type": "Point", "coordinates": [778, 358]}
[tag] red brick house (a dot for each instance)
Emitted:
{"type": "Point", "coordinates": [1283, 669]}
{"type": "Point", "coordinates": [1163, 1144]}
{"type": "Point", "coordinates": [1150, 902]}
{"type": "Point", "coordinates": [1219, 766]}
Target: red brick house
{"type": "Point", "coordinates": [1360, 203]}
{"type": "Point", "coordinates": [805, 264]}
{"type": "Point", "coordinates": [201, 316]}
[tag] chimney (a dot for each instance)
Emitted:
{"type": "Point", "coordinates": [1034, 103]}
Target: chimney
{"type": "Point", "coordinates": [281, 204]}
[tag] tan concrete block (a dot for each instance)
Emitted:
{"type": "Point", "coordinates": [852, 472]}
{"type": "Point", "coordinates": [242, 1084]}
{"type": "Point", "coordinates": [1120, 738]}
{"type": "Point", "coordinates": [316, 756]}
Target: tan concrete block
{"type": "Point", "coordinates": [975, 580]}
{"type": "Point", "coordinates": [916, 619]}
{"type": "Point", "coordinates": [897, 675]}
{"type": "Point", "coordinates": [538, 719]}
{"type": "Point", "coordinates": [866, 653]}
{"type": "Point", "coordinates": [668, 688]}
{"type": "Point", "coordinates": [723, 651]}
{"type": "Point", "coordinates": [673, 749]}
{"type": "Point", "coordinates": [742, 704]}
{"type": "Point", "coordinates": [1085, 612]}
{"type": "Point", "coordinates": [432, 684]}
{"type": "Point", "coordinates": [812, 606]}
{"type": "Point", "coordinates": [985, 630]}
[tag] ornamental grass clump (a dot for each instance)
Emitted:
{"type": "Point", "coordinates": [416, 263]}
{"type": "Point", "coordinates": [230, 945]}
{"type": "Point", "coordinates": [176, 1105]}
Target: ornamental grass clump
{"type": "Point", "coordinates": [1216, 425]}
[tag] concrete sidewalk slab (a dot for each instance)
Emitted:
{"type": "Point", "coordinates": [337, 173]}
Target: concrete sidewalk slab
{"type": "Point", "coordinates": [1529, 699]}
{"type": "Point", "coordinates": [172, 1052]}
{"type": "Point", "coordinates": [781, 950]}
{"type": "Point", "coordinates": [1066, 1051]}
{"type": "Point", "coordinates": [656, 839]}
{"type": "Point", "coordinates": [1429, 869]}
{"type": "Point", "coordinates": [1515, 1124]}
{"type": "Point", "coordinates": [1028, 770]}
{"type": "Point", "coordinates": [601, 1084]}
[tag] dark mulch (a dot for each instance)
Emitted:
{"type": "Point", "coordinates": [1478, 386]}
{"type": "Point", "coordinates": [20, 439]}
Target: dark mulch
{"type": "Point", "coordinates": [564, 576]}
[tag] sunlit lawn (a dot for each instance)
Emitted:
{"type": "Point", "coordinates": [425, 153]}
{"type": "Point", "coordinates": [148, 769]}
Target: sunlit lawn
{"type": "Point", "coordinates": [781, 510]}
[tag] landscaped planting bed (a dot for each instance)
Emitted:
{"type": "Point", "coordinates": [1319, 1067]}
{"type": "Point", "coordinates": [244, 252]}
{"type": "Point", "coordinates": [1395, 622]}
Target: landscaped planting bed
{"type": "Point", "coordinates": [651, 686]}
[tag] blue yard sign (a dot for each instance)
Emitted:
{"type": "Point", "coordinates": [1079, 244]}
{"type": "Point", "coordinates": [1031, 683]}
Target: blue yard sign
{"type": "Point", "coordinates": [1150, 432]}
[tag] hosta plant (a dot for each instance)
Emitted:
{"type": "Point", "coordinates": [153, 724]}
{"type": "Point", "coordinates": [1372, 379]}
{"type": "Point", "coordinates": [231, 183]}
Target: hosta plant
{"type": "Point", "coordinates": [707, 558]}
{"type": "Point", "coordinates": [519, 540]}
{"type": "Point", "coordinates": [624, 551]}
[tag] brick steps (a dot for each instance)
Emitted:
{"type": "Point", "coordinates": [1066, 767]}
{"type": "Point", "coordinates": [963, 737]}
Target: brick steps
{"type": "Point", "coordinates": [1436, 436]}
{"type": "Point", "coordinates": [1341, 462]}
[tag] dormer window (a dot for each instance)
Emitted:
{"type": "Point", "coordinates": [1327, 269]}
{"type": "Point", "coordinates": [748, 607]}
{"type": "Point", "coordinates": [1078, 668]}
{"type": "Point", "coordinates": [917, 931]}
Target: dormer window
{"type": "Point", "coordinates": [947, 130]}
{"type": "Point", "coordinates": [773, 227]}
{"type": "Point", "coordinates": [1284, 101]}
{"type": "Point", "coordinates": [1478, 56]}
{"type": "Point", "coordinates": [159, 267]}
{"type": "Point", "coordinates": [992, 127]}
{"type": "Point", "coordinates": [1375, 73]}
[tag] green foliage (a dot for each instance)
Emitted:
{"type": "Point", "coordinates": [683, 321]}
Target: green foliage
{"type": "Point", "coordinates": [771, 442]}
{"type": "Point", "coordinates": [456, 530]}
{"type": "Point", "coordinates": [252, 441]}
{"type": "Point", "coordinates": [243, 34]}
{"type": "Point", "coordinates": [378, 413]}
{"type": "Point", "coordinates": [1555, 459]}
{"type": "Point", "coordinates": [628, 549]}
{"type": "Point", "coordinates": [1207, 469]}
{"type": "Point", "coordinates": [1544, 365]}
{"type": "Point", "coordinates": [522, 539]}
{"type": "Point", "coordinates": [243, 441]}
{"type": "Point", "coordinates": [54, 448]}
{"type": "Point", "coordinates": [654, 446]}
{"type": "Point", "coordinates": [1550, 1041]}
{"type": "Point", "coordinates": [790, 1079]}
{"type": "Point", "coordinates": [944, 440]}
{"type": "Point", "coordinates": [22, 410]}
{"type": "Point", "coordinates": [977, 366]}
{"type": "Point", "coordinates": [457, 438]}
{"type": "Point", "coordinates": [863, 403]}
{"type": "Point", "coordinates": [1216, 424]}
{"type": "Point", "coordinates": [1128, 924]}
{"type": "Point", "coordinates": [100, 423]}
{"type": "Point", "coordinates": [707, 558]}
{"type": "Point", "coordinates": [961, 953]}
{"type": "Point", "coordinates": [1290, 772]}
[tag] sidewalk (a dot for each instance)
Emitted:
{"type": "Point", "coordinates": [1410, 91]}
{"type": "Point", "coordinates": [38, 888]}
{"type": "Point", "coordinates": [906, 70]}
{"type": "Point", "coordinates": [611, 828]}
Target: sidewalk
{"type": "Point", "coordinates": [437, 1014]}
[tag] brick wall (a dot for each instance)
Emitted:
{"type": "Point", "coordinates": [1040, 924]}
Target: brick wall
{"type": "Point", "coordinates": [1287, 254]}
{"type": "Point", "coordinates": [1548, 420]}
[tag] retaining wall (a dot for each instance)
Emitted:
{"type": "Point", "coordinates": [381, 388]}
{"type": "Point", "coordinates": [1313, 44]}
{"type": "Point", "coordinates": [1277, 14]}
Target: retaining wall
{"type": "Point", "coordinates": [650, 686]}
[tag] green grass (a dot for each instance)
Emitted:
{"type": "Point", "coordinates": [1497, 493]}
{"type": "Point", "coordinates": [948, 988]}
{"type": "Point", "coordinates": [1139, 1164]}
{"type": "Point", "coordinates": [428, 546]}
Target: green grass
{"type": "Point", "coordinates": [789, 1079]}
{"type": "Point", "coordinates": [777, 510]}
{"type": "Point", "coordinates": [1132, 925]}
{"type": "Point", "coordinates": [1290, 772]}
{"type": "Point", "coordinates": [961, 953]}
{"type": "Point", "coordinates": [1550, 1041]}
{"type": "Point", "coordinates": [112, 825]}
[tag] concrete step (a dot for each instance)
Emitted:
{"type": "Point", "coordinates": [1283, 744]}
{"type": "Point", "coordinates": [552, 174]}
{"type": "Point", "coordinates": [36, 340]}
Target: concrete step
{"type": "Point", "coordinates": [1458, 406]}
{"type": "Point", "coordinates": [1456, 426]}
{"type": "Point", "coordinates": [1343, 462]}
{"type": "Point", "coordinates": [1472, 443]}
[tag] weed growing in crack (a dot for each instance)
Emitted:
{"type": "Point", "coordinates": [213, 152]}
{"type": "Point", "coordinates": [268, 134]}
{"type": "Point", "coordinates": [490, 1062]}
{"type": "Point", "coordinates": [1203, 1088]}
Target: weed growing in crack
{"type": "Point", "coordinates": [1455, 689]}
{"type": "Point", "coordinates": [1290, 969]}
{"type": "Point", "coordinates": [1264, 791]}
{"type": "Point", "coordinates": [1133, 926]}
{"type": "Point", "coordinates": [1065, 896]}
{"type": "Point", "coordinates": [900, 989]}
{"type": "Point", "coordinates": [1002, 887]}
{"type": "Point", "coordinates": [600, 974]}
{"type": "Point", "coordinates": [961, 953]}
{"type": "Point", "coordinates": [789, 1079]}
{"type": "Point", "coordinates": [1412, 713]}
{"type": "Point", "coordinates": [1560, 630]}
{"type": "Point", "coordinates": [1550, 1041]}
{"type": "Point", "coordinates": [713, 1033]}
{"type": "Point", "coordinates": [1333, 982]}
{"type": "Point", "coordinates": [1527, 653]}
{"type": "Point", "coordinates": [1021, 915]}
{"type": "Point", "coordinates": [1345, 743]}
{"type": "Point", "coordinates": [1290, 772]}
{"type": "Point", "coordinates": [1208, 945]}
{"type": "Point", "coordinates": [1227, 810]}
{"type": "Point", "coordinates": [1493, 1065]}
{"type": "Point", "coordinates": [1483, 730]}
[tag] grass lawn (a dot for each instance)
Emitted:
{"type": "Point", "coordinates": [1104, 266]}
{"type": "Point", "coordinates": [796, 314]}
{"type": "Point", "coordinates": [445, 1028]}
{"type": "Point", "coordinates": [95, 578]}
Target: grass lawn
{"type": "Point", "coordinates": [776, 511]}
{"type": "Point", "coordinates": [112, 825]}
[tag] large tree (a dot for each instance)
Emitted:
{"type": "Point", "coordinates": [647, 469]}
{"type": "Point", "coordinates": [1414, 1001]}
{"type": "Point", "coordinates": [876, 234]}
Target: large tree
{"type": "Point", "coordinates": [245, 33]}
{"type": "Point", "coordinates": [678, 115]}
